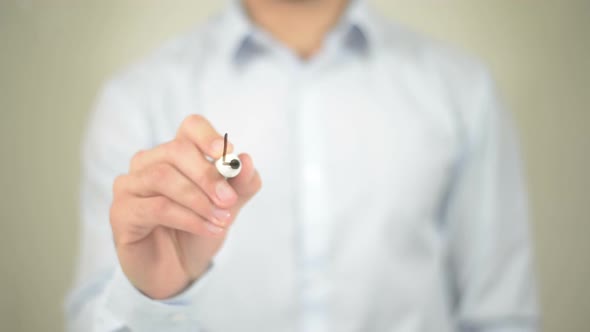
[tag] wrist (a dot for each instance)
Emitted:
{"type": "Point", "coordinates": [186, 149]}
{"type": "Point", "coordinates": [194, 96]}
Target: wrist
{"type": "Point", "coordinates": [175, 286]}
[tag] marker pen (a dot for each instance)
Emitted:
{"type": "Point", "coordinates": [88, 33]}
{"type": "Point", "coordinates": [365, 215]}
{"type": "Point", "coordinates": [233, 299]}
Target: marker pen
{"type": "Point", "coordinates": [229, 165]}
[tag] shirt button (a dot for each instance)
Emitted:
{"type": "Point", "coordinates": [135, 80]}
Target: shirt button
{"type": "Point", "coordinates": [178, 317]}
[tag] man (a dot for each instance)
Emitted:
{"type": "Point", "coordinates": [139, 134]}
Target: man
{"type": "Point", "coordinates": [392, 196]}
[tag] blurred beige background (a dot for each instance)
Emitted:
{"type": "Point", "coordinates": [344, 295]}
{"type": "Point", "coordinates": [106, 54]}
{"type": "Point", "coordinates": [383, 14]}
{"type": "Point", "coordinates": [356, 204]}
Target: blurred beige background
{"type": "Point", "coordinates": [54, 54]}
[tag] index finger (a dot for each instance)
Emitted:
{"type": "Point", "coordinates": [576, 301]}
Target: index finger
{"type": "Point", "coordinates": [198, 130]}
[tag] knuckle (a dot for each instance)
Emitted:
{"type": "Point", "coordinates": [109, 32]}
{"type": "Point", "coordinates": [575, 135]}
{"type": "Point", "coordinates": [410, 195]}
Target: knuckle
{"type": "Point", "coordinates": [136, 159]}
{"type": "Point", "coordinates": [192, 121]}
{"type": "Point", "coordinates": [204, 177]}
{"type": "Point", "coordinates": [158, 174]}
{"type": "Point", "coordinates": [160, 206]}
{"type": "Point", "coordinates": [201, 178]}
{"type": "Point", "coordinates": [175, 148]}
{"type": "Point", "coordinates": [120, 185]}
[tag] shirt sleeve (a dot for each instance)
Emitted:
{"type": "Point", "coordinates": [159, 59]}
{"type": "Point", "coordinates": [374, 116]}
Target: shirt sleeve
{"type": "Point", "coordinates": [490, 261]}
{"type": "Point", "coordinates": [103, 300]}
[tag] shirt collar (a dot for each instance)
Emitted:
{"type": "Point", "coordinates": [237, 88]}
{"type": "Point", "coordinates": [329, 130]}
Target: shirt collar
{"type": "Point", "coordinates": [240, 38]}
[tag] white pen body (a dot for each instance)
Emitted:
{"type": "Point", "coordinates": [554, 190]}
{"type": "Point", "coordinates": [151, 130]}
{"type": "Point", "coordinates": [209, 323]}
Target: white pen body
{"type": "Point", "coordinates": [231, 167]}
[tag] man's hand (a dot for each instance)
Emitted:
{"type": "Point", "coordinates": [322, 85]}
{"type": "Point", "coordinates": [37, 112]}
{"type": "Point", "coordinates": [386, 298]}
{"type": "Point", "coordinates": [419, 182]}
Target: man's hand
{"type": "Point", "coordinates": [171, 213]}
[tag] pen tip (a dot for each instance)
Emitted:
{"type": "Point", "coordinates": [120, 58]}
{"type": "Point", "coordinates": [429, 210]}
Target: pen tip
{"type": "Point", "coordinates": [224, 146]}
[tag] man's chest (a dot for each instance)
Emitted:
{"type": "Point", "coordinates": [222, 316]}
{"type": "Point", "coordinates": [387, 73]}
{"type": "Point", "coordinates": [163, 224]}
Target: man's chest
{"type": "Point", "coordinates": [354, 168]}
{"type": "Point", "coordinates": [351, 144]}
{"type": "Point", "coordinates": [355, 137]}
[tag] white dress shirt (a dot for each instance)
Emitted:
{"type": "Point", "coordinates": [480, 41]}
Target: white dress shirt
{"type": "Point", "coordinates": [392, 199]}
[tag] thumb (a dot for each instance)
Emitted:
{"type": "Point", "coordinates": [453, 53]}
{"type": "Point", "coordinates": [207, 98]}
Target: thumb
{"type": "Point", "coordinates": [248, 182]}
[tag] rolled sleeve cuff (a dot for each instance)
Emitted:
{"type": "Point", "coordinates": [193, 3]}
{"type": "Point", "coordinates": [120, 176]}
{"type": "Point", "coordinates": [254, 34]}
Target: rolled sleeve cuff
{"type": "Point", "coordinates": [130, 308]}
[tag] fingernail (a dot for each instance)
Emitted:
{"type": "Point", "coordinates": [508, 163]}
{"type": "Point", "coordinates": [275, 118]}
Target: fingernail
{"type": "Point", "coordinates": [222, 216]}
{"type": "Point", "coordinates": [213, 228]}
{"type": "Point", "coordinates": [224, 191]}
{"type": "Point", "coordinates": [217, 146]}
